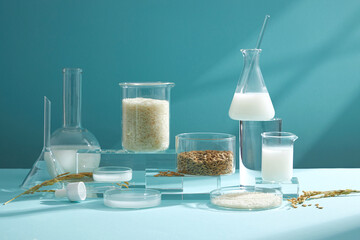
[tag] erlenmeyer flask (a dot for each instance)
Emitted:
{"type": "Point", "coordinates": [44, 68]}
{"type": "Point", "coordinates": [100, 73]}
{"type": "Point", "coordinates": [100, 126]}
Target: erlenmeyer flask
{"type": "Point", "coordinates": [251, 101]}
{"type": "Point", "coordinates": [46, 167]}
{"type": "Point", "coordinates": [66, 141]}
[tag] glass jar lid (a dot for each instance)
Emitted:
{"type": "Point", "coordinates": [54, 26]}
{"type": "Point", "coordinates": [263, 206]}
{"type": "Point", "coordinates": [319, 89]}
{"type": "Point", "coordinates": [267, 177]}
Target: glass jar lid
{"type": "Point", "coordinates": [146, 84]}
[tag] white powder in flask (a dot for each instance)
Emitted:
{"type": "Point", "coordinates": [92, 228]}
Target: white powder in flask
{"type": "Point", "coordinates": [248, 200]}
{"type": "Point", "coordinates": [145, 124]}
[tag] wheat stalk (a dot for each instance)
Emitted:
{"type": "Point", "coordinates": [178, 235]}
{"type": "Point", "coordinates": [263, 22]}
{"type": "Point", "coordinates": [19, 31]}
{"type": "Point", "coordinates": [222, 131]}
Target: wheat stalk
{"type": "Point", "coordinates": [59, 178]}
{"type": "Point", "coordinates": [319, 194]}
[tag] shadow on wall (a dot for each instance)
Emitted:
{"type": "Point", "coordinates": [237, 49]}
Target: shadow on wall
{"type": "Point", "coordinates": [175, 41]}
{"type": "Point", "coordinates": [310, 60]}
{"type": "Point", "coordinates": [208, 75]}
{"type": "Point", "coordinates": [317, 145]}
{"type": "Point", "coordinates": [339, 142]}
{"type": "Point", "coordinates": [192, 43]}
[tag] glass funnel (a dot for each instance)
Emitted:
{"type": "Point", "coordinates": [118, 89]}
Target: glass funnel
{"type": "Point", "coordinates": [277, 156]}
{"type": "Point", "coordinates": [45, 167]}
{"type": "Point", "coordinates": [66, 141]}
{"type": "Point", "coordinates": [251, 101]}
{"type": "Point", "coordinates": [146, 116]}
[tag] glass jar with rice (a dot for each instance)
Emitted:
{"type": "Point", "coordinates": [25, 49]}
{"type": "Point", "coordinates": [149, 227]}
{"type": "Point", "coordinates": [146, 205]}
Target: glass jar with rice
{"type": "Point", "coordinates": [146, 116]}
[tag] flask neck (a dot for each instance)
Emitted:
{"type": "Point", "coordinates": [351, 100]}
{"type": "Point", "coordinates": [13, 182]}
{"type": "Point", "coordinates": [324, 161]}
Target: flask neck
{"type": "Point", "coordinates": [251, 58]}
{"type": "Point", "coordinates": [251, 79]}
{"type": "Point", "coordinates": [72, 97]}
{"type": "Point", "coordinates": [47, 122]}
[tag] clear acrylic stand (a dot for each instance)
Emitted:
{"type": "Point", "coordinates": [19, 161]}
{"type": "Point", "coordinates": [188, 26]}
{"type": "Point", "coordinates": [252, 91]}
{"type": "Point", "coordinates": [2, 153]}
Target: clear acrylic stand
{"type": "Point", "coordinates": [138, 162]}
{"type": "Point", "coordinates": [289, 189]}
{"type": "Point", "coordinates": [146, 165]}
{"type": "Point", "coordinates": [184, 184]}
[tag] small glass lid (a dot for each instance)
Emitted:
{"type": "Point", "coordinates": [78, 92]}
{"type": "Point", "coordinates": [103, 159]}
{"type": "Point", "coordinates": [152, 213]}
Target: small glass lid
{"type": "Point", "coordinates": [246, 198]}
{"type": "Point", "coordinates": [132, 198]}
{"type": "Point", "coordinates": [146, 84]}
{"type": "Point", "coordinates": [112, 174]}
{"type": "Point", "coordinates": [206, 136]}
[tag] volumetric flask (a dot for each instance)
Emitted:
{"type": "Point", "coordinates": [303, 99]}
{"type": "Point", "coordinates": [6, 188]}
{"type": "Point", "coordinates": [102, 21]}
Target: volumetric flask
{"type": "Point", "coordinates": [277, 156]}
{"type": "Point", "coordinates": [66, 141]}
{"type": "Point", "coordinates": [146, 116]}
{"type": "Point", "coordinates": [251, 101]}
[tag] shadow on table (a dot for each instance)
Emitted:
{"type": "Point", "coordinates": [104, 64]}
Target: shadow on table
{"type": "Point", "coordinates": [99, 206]}
{"type": "Point", "coordinates": [60, 205]}
{"type": "Point", "coordinates": [52, 205]}
{"type": "Point", "coordinates": [207, 206]}
{"type": "Point", "coordinates": [343, 228]}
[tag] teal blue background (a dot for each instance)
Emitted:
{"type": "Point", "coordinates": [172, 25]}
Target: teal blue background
{"type": "Point", "coordinates": [310, 62]}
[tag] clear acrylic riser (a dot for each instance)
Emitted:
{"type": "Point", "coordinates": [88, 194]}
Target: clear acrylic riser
{"type": "Point", "coordinates": [187, 185]}
{"type": "Point", "coordinates": [289, 189]}
{"type": "Point", "coordinates": [146, 165]}
{"type": "Point", "coordinates": [138, 162]}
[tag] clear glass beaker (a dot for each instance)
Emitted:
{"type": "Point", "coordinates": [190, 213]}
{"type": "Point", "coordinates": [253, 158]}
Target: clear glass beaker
{"type": "Point", "coordinates": [66, 141]}
{"type": "Point", "coordinates": [277, 156]}
{"type": "Point", "coordinates": [205, 153]}
{"type": "Point", "coordinates": [251, 101]}
{"type": "Point", "coordinates": [146, 116]}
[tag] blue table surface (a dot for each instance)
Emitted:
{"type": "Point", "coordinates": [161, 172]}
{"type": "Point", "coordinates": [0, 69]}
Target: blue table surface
{"type": "Point", "coordinates": [34, 218]}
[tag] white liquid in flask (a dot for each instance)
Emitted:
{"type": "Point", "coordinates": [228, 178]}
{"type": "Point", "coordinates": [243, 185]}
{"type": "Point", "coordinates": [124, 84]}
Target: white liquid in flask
{"type": "Point", "coordinates": [251, 107]}
{"type": "Point", "coordinates": [66, 156]}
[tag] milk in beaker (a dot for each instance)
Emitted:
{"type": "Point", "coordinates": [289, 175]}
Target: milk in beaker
{"type": "Point", "coordinates": [251, 107]}
{"type": "Point", "coordinates": [277, 163]}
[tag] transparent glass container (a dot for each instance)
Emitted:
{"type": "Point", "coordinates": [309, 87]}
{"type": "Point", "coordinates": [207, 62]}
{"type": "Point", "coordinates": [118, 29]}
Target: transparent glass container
{"type": "Point", "coordinates": [206, 154]}
{"type": "Point", "coordinates": [146, 116]}
{"type": "Point", "coordinates": [277, 156]}
{"type": "Point", "coordinates": [251, 101]}
{"type": "Point", "coordinates": [132, 198]}
{"type": "Point", "coordinates": [66, 141]}
{"type": "Point", "coordinates": [246, 198]}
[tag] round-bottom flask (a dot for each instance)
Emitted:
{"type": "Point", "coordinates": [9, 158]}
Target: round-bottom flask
{"type": "Point", "coordinates": [66, 141]}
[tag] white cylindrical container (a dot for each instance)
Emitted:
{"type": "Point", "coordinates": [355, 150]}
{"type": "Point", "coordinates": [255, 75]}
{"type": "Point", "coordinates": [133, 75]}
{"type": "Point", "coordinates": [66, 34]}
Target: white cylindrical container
{"type": "Point", "coordinates": [277, 156]}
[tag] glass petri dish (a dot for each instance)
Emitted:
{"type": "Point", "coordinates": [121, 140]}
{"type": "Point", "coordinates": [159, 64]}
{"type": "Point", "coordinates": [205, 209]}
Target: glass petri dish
{"type": "Point", "coordinates": [112, 174]}
{"type": "Point", "coordinates": [132, 198]}
{"type": "Point", "coordinates": [247, 198]}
